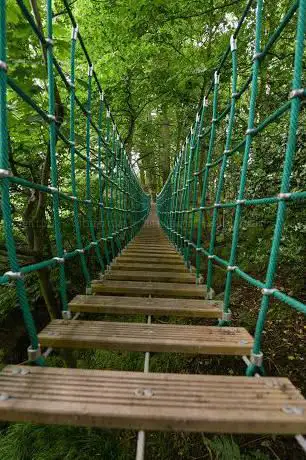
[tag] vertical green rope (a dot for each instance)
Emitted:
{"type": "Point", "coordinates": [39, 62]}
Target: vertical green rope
{"type": "Point", "coordinates": [285, 185]}
{"type": "Point", "coordinates": [205, 177]}
{"type": "Point", "coordinates": [52, 147]}
{"type": "Point", "coordinates": [72, 159]}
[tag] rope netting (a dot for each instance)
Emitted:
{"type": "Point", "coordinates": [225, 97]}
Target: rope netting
{"type": "Point", "coordinates": [90, 175]}
{"type": "Point", "coordinates": [224, 142]}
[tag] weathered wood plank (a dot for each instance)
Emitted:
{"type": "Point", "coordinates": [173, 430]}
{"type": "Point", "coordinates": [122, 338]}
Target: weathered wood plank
{"type": "Point", "coordinates": [163, 402]}
{"type": "Point", "coordinates": [146, 337]}
{"type": "Point", "coordinates": [144, 265]}
{"type": "Point", "coordinates": [155, 289]}
{"type": "Point", "coordinates": [149, 306]}
{"type": "Point", "coordinates": [166, 277]}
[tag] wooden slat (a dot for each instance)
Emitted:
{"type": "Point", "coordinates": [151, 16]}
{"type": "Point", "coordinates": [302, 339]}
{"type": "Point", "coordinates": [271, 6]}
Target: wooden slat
{"type": "Point", "coordinates": [148, 288]}
{"type": "Point", "coordinates": [146, 337]}
{"type": "Point", "coordinates": [144, 265]}
{"type": "Point", "coordinates": [154, 306]}
{"type": "Point", "coordinates": [168, 277]}
{"type": "Point", "coordinates": [152, 260]}
{"type": "Point", "coordinates": [147, 255]}
{"type": "Point", "coordinates": [163, 402]}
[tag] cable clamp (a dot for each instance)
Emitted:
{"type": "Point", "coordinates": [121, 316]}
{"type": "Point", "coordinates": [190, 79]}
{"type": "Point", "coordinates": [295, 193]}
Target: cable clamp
{"type": "Point", "coordinates": [90, 70]}
{"type": "Point", "coordinates": [202, 208]}
{"type": "Point", "coordinates": [49, 42]}
{"type": "Point", "coordinates": [214, 120]}
{"type": "Point", "coordinates": [102, 96]}
{"type": "Point", "coordinates": [3, 66]}
{"type": "Point", "coordinates": [208, 165]}
{"type": "Point", "coordinates": [87, 201]}
{"type": "Point", "coordinates": [14, 275]}
{"type": "Point", "coordinates": [233, 43]}
{"type": "Point", "coordinates": [217, 205]}
{"type": "Point", "coordinates": [250, 131]}
{"type": "Point", "coordinates": [197, 117]}
{"type": "Point", "coordinates": [216, 78]}
{"type": "Point", "coordinates": [189, 243]}
{"type": "Point", "coordinates": [80, 251]}
{"type": "Point", "coordinates": [231, 268]}
{"type": "Point", "coordinates": [284, 196]}
{"type": "Point", "coordinates": [59, 260]}
{"type": "Point", "coordinates": [299, 92]}
{"type": "Point", "coordinates": [53, 189]}
{"type": "Point", "coordinates": [257, 56]}
{"type": "Point", "coordinates": [5, 173]}
{"type": "Point", "coordinates": [198, 249]}
{"type": "Point", "coordinates": [266, 291]}
{"type": "Point", "coordinates": [73, 198]}
{"type": "Point", "coordinates": [34, 353]}
{"type": "Point", "coordinates": [71, 85]}
{"type": "Point", "coordinates": [101, 205]}
{"type": "Point", "coordinates": [211, 256]}
{"type": "Point", "coordinates": [108, 113]}
{"type": "Point", "coordinates": [235, 95]}
{"type": "Point", "coordinates": [51, 117]}
{"type": "Point", "coordinates": [226, 315]}
{"type": "Point", "coordinates": [226, 152]}
{"type": "Point", "coordinates": [72, 143]}
{"type": "Point", "coordinates": [94, 243]}
{"type": "Point", "coordinates": [66, 314]}
{"type": "Point", "coordinates": [256, 359]}
{"type": "Point", "coordinates": [240, 201]}
{"type": "Point", "coordinates": [74, 34]}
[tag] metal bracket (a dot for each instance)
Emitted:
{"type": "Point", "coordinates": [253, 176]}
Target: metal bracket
{"type": "Point", "coordinates": [266, 291]}
{"type": "Point", "coordinates": [59, 260]}
{"type": "Point", "coordinates": [226, 315]}
{"type": "Point", "coordinates": [66, 314]}
{"type": "Point", "coordinates": [231, 268]}
{"type": "Point", "coordinates": [49, 42]}
{"type": "Point", "coordinates": [256, 359]}
{"type": "Point", "coordinates": [14, 275]}
{"type": "Point", "coordinates": [34, 353]}
{"type": "Point", "coordinates": [5, 173]}
{"type": "Point", "coordinates": [3, 66]}
{"type": "Point", "coordinates": [74, 34]}
{"type": "Point", "coordinates": [284, 196]}
{"type": "Point", "coordinates": [299, 92]}
{"type": "Point", "coordinates": [233, 43]}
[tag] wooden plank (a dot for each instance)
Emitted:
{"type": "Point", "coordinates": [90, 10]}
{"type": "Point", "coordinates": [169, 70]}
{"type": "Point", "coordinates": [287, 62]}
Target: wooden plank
{"type": "Point", "coordinates": [152, 260]}
{"type": "Point", "coordinates": [144, 265]}
{"type": "Point", "coordinates": [148, 254]}
{"type": "Point", "coordinates": [148, 306]}
{"type": "Point", "coordinates": [148, 288]}
{"type": "Point", "coordinates": [166, 277]}
{"type": "Point", "coordinates": [146, 337]}
{"type": "Point", "coordinates": [152, 401]}
{"type": "Point", "coordinates": [165, 250]}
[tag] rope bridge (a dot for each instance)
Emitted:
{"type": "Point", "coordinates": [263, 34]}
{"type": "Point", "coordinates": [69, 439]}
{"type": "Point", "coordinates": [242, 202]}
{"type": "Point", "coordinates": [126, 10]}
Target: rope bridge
{"type": "Point", "coordinates": [142, 270]}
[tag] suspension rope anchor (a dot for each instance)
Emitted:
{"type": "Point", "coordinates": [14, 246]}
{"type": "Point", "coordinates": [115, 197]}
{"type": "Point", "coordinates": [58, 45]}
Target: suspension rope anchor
{"type": "Point", "coordinates": [3, 66]}
{"type": "Point", "coordinates": [14, 275]}
{"type": "Point", "coordinates": [266, 291]}
{"type": "Point", "coordinates": [59, 260]}
{"type": "Point", "coordinates": [298, 92]}
{"type": "Point", "coordinates": [4, 173]}
{"type": "Point", "coordinates": [256, 359]}
{"type": "Point", "coordinates": [34, 353]}
{"type": "Point", "coordinates": [66, 314]}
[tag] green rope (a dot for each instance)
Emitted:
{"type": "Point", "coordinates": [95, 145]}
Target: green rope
{"type": "Point", "coordinates": [178, 213]}
{"type": "Point", "coordinates": [120, 200]}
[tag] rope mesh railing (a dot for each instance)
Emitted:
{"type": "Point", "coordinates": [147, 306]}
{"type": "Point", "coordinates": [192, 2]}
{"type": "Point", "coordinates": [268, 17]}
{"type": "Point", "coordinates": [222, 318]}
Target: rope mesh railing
{"type": "Point", "coordinates": [112, 189]}
{"type": "Point", "coordinates": [185, 203]}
